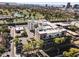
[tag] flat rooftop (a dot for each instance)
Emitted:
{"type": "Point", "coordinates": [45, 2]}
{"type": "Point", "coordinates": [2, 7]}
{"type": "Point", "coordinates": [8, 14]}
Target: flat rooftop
{"type": "Point", "coordinates": [18, 28]}
{"type": "Point", "coordinates": [5, 16]}
{"type": "Point", "coordinates": [51, 31]}
{"type": "Point", "coordinates": [48, 27]}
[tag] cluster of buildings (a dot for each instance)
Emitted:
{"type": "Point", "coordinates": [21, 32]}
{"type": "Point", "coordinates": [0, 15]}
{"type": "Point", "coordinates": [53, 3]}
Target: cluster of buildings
{"type": "Point", "coordinates": [44, 29]}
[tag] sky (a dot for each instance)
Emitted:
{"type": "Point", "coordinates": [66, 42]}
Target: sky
{"type": "Point", "coordinates": [41, 1]}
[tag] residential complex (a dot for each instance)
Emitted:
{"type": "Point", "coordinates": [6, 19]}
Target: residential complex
{"type": "Point", "coordinates": [45, 29]}
{"type": "Point", "coordinates": [39, 30]}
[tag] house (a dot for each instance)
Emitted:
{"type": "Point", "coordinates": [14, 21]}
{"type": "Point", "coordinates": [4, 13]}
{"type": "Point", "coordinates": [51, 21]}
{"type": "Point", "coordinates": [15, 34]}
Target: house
{"type": "Point", "coordinates": [45, 29]}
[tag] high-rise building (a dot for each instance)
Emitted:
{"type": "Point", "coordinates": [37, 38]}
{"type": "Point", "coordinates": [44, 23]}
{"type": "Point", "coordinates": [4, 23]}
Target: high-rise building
{"type": "Point", "coordinates": [68, 5]}
{"type": "Point", "coordinates": [76, 6]}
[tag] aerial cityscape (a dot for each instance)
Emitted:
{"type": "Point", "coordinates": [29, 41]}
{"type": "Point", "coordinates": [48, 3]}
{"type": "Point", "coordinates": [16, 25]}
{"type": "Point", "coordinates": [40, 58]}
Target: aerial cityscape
{"type": "Point", "coordinates": [39, 30]}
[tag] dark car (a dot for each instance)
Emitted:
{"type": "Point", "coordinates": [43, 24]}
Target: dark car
{"type": "Point", "coordinates": [19, 48]}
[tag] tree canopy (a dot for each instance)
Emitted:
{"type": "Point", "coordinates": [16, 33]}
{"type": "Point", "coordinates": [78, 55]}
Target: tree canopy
{"type": "Point", "coordinates": [58, 40]}
{"type": "Point", "coordinates": [16, 41]}
{"type": "Point", "coordinates": [34, 44]}
{"type": "Point", "coordinates": [2, 49]}
{"type": "Point", "coordinates": [71, 53]}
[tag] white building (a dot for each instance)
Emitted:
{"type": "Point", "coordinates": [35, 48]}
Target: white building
{"type": "Point", "coordinates": [75, 23]}
{"type": "Point", "coordinates": [45, 29]}
{"type": "Point", "coordinates": [19, 29]}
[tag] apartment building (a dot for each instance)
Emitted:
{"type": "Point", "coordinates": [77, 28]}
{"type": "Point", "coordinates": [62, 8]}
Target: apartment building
{"type": "Point", "coordinates": [44, 29]}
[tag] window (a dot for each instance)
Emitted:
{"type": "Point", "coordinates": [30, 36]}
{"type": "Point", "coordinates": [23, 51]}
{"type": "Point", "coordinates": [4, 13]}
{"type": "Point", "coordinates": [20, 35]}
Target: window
{"type": "Point", "coordinates": [43, 36]}
{"type": "Point", "coordinates": [58, 35]}
{"type": "Point", "coordinates": [40, 30]}
{"type": "Point", "coordinates": [50, 36]}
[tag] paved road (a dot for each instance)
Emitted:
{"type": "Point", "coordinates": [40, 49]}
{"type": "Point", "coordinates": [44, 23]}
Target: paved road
{"type": "Point", "coordinates": [30, 34]}
{"type": "Point", "coordinates": [13, 49]}
{"type": "Point", "coordinates": [12, 44]}
{"type": "Point", "coordinates": [6, 53]}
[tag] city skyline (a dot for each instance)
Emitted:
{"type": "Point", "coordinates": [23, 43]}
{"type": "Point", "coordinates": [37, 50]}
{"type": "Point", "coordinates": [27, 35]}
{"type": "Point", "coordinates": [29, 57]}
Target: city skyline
{"type": "Point", "coordinates": [44, 3]}
{"type": "Point", "coordinates": [39, 28]}
{"type": "Point", "coordinates": [50, 2]}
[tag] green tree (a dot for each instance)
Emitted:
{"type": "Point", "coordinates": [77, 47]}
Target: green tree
{"type": "Point", "coordinates": [71, 53]}
{"type": "Point", "coordinates": [5, 35]}
{"type": "Point", "coordinates": [32, 45]}
{"type": "Point", "coordinates": [47, 17]}
{"type": "Point", "coordinates": [39, 43]}
{"type": "Point", "coordinates": [2, 50]}
{"type": "Point", "coordinates": [76, 16]}
{"type": "Point", "coordinates": [73, 28]}
{"type": "Point", "coordinates": [9, 20]}
{"type": "Point", "coordinates": [68, 39]}
{"type": "Point", "coordinates": [24, 17]}
{"type": "Point", "coordinates": [16, 41]}
{"type": "Point", "coordinates": [24, 33]}
{"type": "Point", "coordinates": [5, 28]}
{"type": "Point", "coordinates": [58, 40]}
{"type": "Point", "coordinates": [34, 14]}
{"type": "Point", "coordinates": [29, 15]}
{"type": "Point", "coordinates": [27, 47]}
